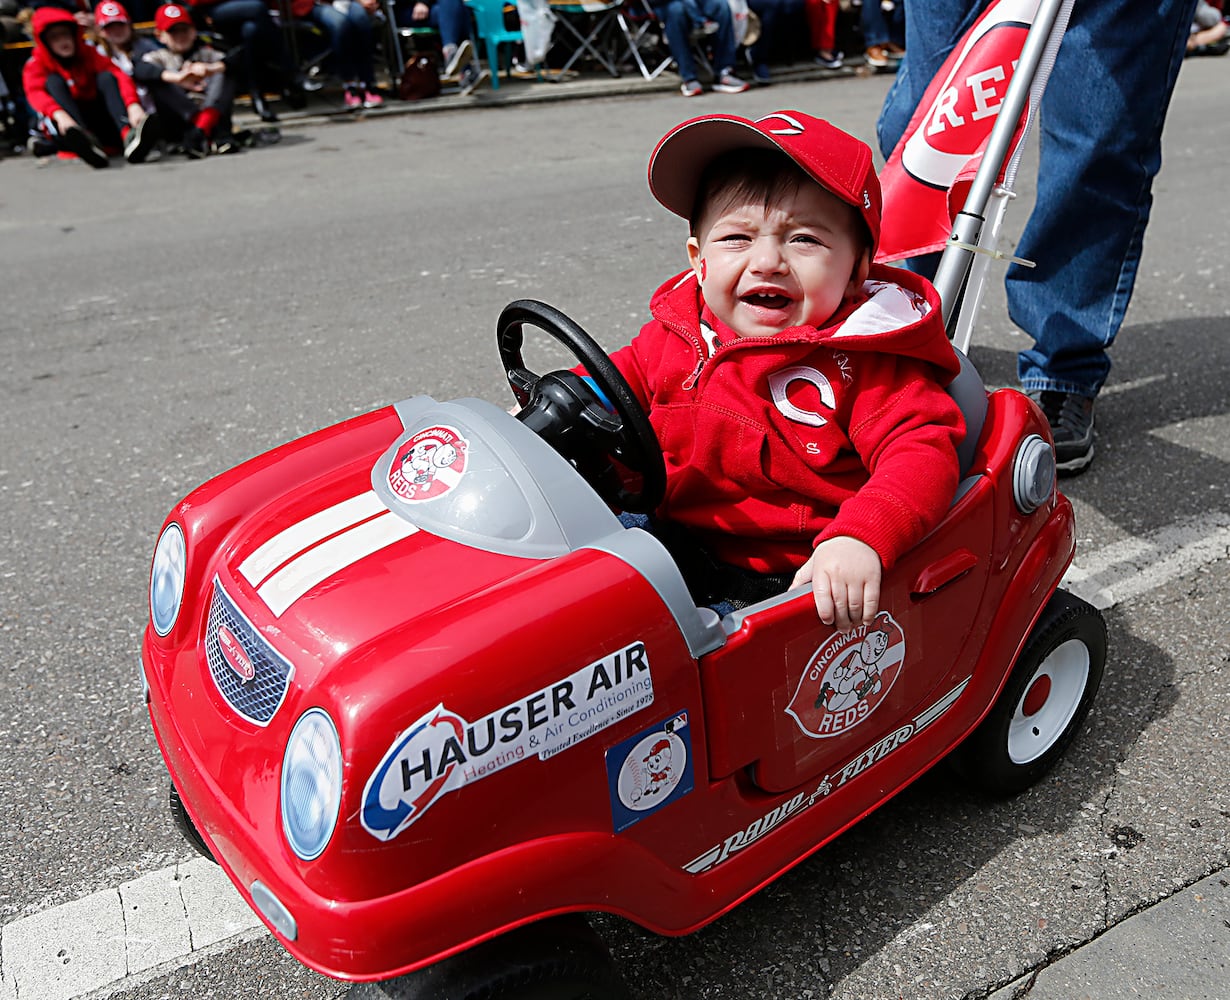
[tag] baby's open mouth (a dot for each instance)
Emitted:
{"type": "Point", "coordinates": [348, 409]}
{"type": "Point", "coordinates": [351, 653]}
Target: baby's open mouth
{"type": "Point", "coordinates": [766, 300]}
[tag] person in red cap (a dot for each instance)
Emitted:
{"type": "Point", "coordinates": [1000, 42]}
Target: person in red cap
{"type": "Point", "coordinates": [119, 43]}
{"type": "Point", "coordinates": [797, 389]}
{"type": "Point", "coordinates": [192, 90]}
{"type": "Point", "coordinates": [85, 105]}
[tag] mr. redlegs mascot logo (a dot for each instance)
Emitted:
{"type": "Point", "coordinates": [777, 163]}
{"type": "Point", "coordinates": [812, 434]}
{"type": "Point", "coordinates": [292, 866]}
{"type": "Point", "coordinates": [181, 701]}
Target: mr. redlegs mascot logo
{"type": "Point", "coordinates": [927, 175]}
{"type": "Point", "coordinates": [848, 677]}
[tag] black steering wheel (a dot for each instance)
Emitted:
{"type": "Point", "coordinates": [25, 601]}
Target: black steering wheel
{"type": "Point", "coordinates": [574, 418]}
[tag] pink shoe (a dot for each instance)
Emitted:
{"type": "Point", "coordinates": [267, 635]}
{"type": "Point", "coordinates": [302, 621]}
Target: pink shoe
{"type": "Point", "coordinates": [371, 99]}
{"type": "Point", "coordinates": [352, 100]}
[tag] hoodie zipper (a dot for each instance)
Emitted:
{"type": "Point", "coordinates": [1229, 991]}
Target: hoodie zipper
{"type": "Point", "coordinates": [690, 382]}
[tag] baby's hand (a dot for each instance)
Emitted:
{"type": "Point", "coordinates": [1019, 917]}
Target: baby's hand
{"type": "Point", "coordinates": [845, 581]}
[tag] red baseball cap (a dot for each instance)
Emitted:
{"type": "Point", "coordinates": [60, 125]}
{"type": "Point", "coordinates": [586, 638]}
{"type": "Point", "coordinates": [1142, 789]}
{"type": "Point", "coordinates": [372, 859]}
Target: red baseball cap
{"type": "Point", "coordinates": [110, 12]}
{"type": "Point", "coordinates": [838, 162]}
{"type": "Point", "coordinates": [165, 18]}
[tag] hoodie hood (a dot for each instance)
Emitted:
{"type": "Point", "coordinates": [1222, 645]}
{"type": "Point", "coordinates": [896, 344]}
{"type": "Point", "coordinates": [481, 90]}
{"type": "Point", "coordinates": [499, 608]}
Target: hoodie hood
{"type": "Point", "coordinates": [46, 17]}
{"type": "Point", "coordinates": [897, 314]}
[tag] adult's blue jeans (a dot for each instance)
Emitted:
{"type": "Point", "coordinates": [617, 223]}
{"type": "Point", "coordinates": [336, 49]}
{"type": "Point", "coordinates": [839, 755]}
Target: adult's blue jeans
{"type": "Point", "coordinates": [679, 34]}
{"type": "Point", "coordinates": [351, 40]}
{"type": "Point", "coordinates": [1100, 148]}
{"type": "Point", "coordinates": [449, 17]}
{"type": "Point", "coordinates": [882, 27]}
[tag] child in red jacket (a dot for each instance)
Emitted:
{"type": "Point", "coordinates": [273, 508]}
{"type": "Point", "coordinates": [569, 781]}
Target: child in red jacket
{"type": "Point", "coordinates": [797, 389]}
{"type": "Point", "coordinates": [85, 104]}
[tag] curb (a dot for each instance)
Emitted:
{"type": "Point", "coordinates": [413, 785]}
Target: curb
{"type": "Point", "coordinates": [513, 93]}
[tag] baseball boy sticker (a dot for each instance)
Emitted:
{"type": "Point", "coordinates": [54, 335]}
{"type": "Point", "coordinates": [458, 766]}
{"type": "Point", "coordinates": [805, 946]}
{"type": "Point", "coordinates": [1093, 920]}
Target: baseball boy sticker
{"type": "Point", "coordinates": [649, 770]}
{"type": "Point", "coordinates": [429, 464]}
{"type": "Point", "coordinates": [848, 677]}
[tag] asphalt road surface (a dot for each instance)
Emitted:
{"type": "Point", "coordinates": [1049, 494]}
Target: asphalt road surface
{"type": "Point", "coordinates": [161, 324]}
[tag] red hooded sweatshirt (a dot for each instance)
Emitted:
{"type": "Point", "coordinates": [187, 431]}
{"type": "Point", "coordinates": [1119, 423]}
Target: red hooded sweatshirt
{"type": "Point", "coordinates": [81, 72]}
{"type": "Point", "coordinates": [774, 444]}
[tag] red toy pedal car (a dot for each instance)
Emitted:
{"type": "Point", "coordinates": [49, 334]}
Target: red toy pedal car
{"type": "Point", "coordinates": [427, 701]}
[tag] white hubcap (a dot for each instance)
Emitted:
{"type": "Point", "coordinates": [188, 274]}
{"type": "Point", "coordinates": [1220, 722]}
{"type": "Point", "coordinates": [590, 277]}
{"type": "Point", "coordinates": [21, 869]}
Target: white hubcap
{"type": "Point", "coordinates": [1049, 702]}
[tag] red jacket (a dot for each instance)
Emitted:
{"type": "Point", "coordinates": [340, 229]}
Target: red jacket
{"type": "Point", "coordinates": [774, 444]}
{"type": "Point", "coordinates": [81, 74]}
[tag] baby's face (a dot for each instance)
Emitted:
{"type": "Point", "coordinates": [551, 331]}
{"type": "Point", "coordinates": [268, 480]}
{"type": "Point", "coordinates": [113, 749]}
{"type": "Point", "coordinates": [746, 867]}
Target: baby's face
{"type": "Point", "coordinates": [763, 269]}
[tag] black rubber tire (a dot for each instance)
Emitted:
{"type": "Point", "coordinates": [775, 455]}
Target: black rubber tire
{"type": "Point", "coordinates": [184, 822]}
{"type": "Point", "coordinates": [557, 959]}
{"type": "Point", "coordinates": [1010, 751]}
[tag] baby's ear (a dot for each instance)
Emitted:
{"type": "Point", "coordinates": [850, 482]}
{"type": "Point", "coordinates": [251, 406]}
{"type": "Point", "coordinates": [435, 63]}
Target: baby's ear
{"type": "Point", "coordinates": [694, 257]}
{"type": "Point", "coordinates": [862, 268]}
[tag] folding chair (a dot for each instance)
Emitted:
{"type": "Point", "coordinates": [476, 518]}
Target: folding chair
{"type": "Point", "coordinates": [599, 16]}
{"type": "Point", "coordinates": [638, 21]}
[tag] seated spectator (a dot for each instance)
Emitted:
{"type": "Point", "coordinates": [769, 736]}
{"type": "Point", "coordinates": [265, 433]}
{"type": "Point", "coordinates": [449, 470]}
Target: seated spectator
{"type": "Point", "coordinates": [119, 43]}
{"type": "Point", "coordinates": [260, 48]}
{"type": "Point", "coordinates": [351, 43]}
{"type": "Point", "coordinates": [1209, 31]}
{"type": "Point", "coordinates": [450, 18]}
{"type": "Point", "coordinates": [822, 28]}
{"type": "Point", "coordinates": [84, 103]}
{"type": "Point", "coordinates": [190, 85]}
{"type": "Point", "coordinates": [678, 27]}
{"type": "Point", "coordinates": [883, 31]}
{"type": "Point", "coordinates": [782, 21]}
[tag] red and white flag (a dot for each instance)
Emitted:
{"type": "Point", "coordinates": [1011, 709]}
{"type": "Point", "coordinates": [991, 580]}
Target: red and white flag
{"type": "Point", "coordinates": [929, 172]}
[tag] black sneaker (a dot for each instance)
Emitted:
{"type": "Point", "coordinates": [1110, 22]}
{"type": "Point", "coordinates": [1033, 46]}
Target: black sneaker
{"type": "Point", "coordinates": [195, 144]}
{"type": "Point", "coordinates": [1071, 420]}
{"type": "Point", "coordinates": [141, 139]}
{"type": "Point", "coordinates": [79, 141]}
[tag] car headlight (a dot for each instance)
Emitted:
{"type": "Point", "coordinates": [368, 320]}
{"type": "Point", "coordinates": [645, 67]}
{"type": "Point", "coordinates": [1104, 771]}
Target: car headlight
{"type": "Point", "coordinates": [1033, 474]}
{"type": "Point", "coordinates": [166, 579]}
{"type": "Point", "coordinates": [311, 784]}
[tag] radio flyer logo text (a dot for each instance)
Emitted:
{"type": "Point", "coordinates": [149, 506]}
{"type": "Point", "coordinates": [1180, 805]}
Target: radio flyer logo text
{"type": "Point", "coordinates": [443, 751]}
{"type": "Point", "coordinates": [649, 770]}
{"type": "Point", "coordinates": [848, 677]}
{"type": "Point", "coordinates": [763, 825]}
{"type": "Point", "coordinates": [429, 464]}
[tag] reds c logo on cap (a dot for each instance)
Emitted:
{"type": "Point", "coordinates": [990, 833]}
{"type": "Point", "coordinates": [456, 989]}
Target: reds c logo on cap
{"type": "Point", "coordinates": [790, 125]}
{"type": "Point", "coordinates": [170, 11]}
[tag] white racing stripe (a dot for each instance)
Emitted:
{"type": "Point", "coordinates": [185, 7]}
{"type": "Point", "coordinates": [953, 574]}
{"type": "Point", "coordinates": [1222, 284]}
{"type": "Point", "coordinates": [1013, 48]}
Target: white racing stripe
{"type": "Point", "coordinates": [316, 565]}
{"type": "Point", "coordinates": [289, 543]}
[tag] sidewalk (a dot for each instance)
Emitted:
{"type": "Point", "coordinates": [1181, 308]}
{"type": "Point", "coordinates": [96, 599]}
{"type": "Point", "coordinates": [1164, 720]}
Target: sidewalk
{"type": "Point", "coordinates": [1178, 948]}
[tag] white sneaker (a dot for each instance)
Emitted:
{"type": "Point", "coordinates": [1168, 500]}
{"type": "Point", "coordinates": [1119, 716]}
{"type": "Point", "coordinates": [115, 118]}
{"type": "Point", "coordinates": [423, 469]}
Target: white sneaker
{"type": "Point", "coordinates": [460, 59]}
{"type": "Point", "coordinates": [691, 88]}
{"type": "Point", "coordinates": [728, 83]}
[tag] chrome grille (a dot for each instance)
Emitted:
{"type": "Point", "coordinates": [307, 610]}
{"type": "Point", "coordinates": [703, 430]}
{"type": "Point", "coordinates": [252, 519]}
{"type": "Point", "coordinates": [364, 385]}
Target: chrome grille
{"type": "Point", "coordinates": [256, 699]}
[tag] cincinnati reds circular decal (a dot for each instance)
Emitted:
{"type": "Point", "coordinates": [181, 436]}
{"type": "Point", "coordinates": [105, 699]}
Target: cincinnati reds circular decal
{"type": "Point", "coordinates": [651, 770]}
{"type": "Point", "coordinates": [848, 677]}
{"type": "Point", "coordinates": [429, 464]}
